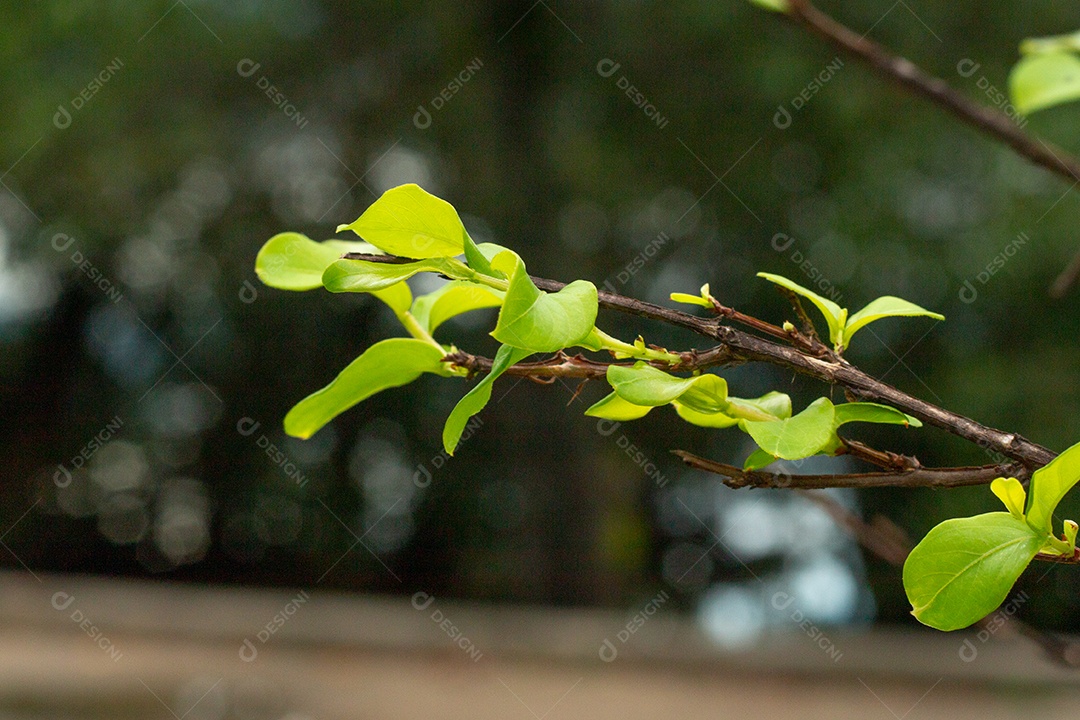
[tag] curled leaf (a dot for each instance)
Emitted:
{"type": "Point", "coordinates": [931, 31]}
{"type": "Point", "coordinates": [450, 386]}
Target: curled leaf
{"type": "Point", "coordinates": [367, 276]}
{"type": "Point", "coordinates": [539, 321]}
{"type": "Point", "coordinates": [1049, 484]}
{"type": "Point", "coordinates": [796, 437]}
{"type": "Point", "coordinates": [613, 407]}
{"type": "Point", "coordinates": [1010, 492]}
{"type": "Point", "coordinates": [645, 385]}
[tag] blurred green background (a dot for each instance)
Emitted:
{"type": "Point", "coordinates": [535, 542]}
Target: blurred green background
{"type": "Point", "coordinates": [151, 148]}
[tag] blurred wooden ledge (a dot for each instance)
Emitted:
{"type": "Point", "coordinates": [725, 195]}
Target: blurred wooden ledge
{"type": "Point", "coordinates": [89, 647]}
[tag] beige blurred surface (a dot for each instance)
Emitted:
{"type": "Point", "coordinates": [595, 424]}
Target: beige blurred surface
{"type": "Point", "coordinates": [174, 651]}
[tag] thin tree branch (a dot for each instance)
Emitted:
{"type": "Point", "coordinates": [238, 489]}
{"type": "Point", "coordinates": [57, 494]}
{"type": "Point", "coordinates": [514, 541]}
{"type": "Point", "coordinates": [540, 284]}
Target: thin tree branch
{"type": "Point", "coordinates": [920, 477]}
{"type": "Point", "coordinates": [562, 365]}
{"type": "Point", "coordinates": [808, 328]}
{"type": "Point", "coordinates": [990, 120]}
{"type": "Point", "coordinates": [736, 346]}
{"type": "Point", "coordinates": [904, 72]}
{"type": "Point", "coordinates": [881, 458]}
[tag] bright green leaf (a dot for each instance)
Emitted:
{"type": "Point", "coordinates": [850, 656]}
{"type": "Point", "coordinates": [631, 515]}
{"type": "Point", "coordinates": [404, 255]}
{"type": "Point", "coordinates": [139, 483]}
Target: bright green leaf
{"type": "Point", "coordinates": [873, 413]}
{"type": "Point", "coordinates": [813, 431]}
{"type": "Point", "coordinates": [1049, 485]}
{"type": "Point", "coordinates": [1010, 492]}
{"type": "Point", "coordinates": [453, 298]}
{"type": "Point", "coordinates": [366, 276]}
{"type": "Point", "coordinates": [1071, 529]}
{"type": "Point", "coordinates": [643, 384]}
{"type": "Point", "coordinates": [592, 341]}
{"type": "Point", "coordinates": [1041, 81]}
{"type": "Point", "coordinates": [759, 459]}
{"type": "Point", "coordinates": [387, 364]}
{"type": "Point", "coordinates": [835, 315]}
{"type": "Point", "coordinates": [701, 419]}
{"type": "Point", "coordinates": [964, 568]}
{"type": "Point", "coordinates": [690, 299]}
{"type": "Point", "coordinates": [291, 261]}
{"type": "Point", "coordinates": [796, 437]}
{"type": "Point", "coordinates": [883, 307]}
{"type": "Point", "coordinates": [613, 407]}
{"type": "Point", "coordinates": [704, 299]}
{"type": "Point", "coordinates": [475, 400]}
{"type": "Point", "coordinates": [398, 297]}
{"type": "Point", "coordinates": [410, 222]}
{"type": "Point", "coordinates": [780, 6]}
{"type": "Point", "coordinates": [478, 260]}
{"type": "Point", "coordinates": [1051, 44]}
{"type": "Point", "coordinates": [776, 404]}
{"type": "Point", "coordinates": [491, 250]}
{"type": "Point", "coordinates": [538, 321]}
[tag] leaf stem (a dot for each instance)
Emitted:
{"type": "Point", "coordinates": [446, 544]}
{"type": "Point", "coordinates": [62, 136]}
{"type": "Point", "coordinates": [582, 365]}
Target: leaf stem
{"type": "Point", "coordinates": [417, 330]}
{"type": "Point", "coordinates": [638, 352]}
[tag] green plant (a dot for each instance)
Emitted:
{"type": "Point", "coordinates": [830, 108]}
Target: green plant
{"type": "Point", "coordinates": [964, 568]}
{"type": "Point", "coordinates": [960, 572]}
{"type": "Point", "coordinates": [1048, 74]}
{"type": "Point", "coordinates": [422, 233]}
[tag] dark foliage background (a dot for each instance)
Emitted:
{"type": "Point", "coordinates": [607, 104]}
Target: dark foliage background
{"type": "Point", "coordinates": [174, 171]}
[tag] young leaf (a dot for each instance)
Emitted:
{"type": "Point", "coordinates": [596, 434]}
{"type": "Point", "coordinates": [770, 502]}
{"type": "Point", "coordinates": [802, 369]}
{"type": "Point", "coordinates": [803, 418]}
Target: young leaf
{"type": "Point", "coordinates": [780, 6]}
{"type": "Point", "coordinates": [398, 297]}
{"type": "Point", "coordinates": [453, 298]}
{"type": "Point", "coordinates": [964, 568]}
{"type": "Point", "coordinates": [776, 404]}
{"type": "Point", "coordinates": [796, 437]}
{"type": "Point", "coordinates": [1044, 80]}
{"type": "Point", "coordinates": [613, 407]}
{"type": "Point", "coordinates": [475, 400]}
{"type": "Point", "coordinates": [291, 261]}
{"type": "Point", "coordinates": [410, 222]}
{"type": "Point", "coordinates": [873, 413]}
{"type": "Point", "coordinates": [690, 299]}
{"type": "Point", "coordinates": [841, 414]}
{"type": "Point", "coordinates": [701, 419]}
{"type": "Point", "coordinates": [883, 307]}
{"type": "Point", "coordinates": [835, 315]}
{"type": "Point", "coordinates": [478, 260]}
{"type": "Point", "coordinates": [643, 384]}
{"type": "Point", "coordinates": [759, 459]}
{"type": "Point", "coordinates": [1049, 485]}
{"type": "Point", "coordinates": [1010, 492]}
{"type": "Point", "coordinates": [770, 406]}
{"type": "Point", "coordinates": [538, 321]}
{"type": "Point", "coordinates": [386, 364]}
{"type": "Point", "coordinates": [704, 299]}
{"type": "Point", "coordinates": [366, 276]}
{"type": "Point", "coordinates": [1050, 44]}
